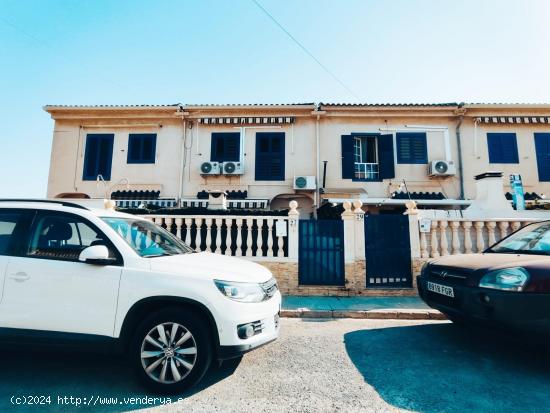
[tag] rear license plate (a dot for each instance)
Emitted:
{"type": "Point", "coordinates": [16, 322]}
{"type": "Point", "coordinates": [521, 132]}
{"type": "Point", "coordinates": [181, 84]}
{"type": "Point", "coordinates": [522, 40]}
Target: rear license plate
{"type": "Point", "coordinates": [441, 289]}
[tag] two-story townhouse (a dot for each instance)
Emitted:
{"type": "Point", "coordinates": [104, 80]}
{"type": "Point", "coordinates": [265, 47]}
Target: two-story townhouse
{"type": "Point", "coordinates": [265, 155]}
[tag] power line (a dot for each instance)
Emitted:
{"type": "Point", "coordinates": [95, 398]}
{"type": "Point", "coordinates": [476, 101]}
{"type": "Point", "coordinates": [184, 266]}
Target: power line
{"type": "Point", "coordinates": [301, 46]}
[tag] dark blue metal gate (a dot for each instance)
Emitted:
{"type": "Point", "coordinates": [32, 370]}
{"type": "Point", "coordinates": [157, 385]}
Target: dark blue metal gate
{"type": "Point", "coordinates": [388, 251]}
{"type": "Point", "coordinates": [321, 252]}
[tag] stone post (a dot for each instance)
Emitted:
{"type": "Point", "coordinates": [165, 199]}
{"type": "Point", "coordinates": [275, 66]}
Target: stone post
{"type": "Point", "coordinates": [293, 223]}
{"type": "Point", "coordinates": [348, 217]}
{"type": "Point", "coordinates": [359, 230]}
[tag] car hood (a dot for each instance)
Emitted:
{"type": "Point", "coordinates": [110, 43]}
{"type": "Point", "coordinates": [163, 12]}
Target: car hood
{"type": "Point", "coordinates": [214, 266]}
{"type": "Point", "coordinates": [470, 263]}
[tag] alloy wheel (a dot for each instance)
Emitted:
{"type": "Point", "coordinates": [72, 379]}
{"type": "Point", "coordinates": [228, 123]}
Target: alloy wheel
{"type": "Point", "coordinates": [168, 353]}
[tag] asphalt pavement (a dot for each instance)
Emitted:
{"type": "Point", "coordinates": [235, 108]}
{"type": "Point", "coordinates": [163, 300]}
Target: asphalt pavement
{"type": "Point", "coordinates": [317, 365]}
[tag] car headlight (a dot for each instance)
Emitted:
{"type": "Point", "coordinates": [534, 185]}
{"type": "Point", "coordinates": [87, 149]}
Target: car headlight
{"type": "Point", "coordinates": [507, 279]}
{"type": "Point", "coordinates": [243, 292]}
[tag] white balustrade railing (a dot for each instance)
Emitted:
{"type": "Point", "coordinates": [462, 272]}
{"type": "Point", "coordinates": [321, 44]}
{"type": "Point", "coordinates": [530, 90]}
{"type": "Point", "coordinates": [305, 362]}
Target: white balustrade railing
{"type": "Point", "coordinates": [465, 236]}
{"type": "Point", "coordinates": [241, 236]}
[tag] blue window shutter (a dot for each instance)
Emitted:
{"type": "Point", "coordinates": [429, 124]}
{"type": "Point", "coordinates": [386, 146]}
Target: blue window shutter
{"type": "Point", "coordinates": [225, 146]}
{"type": "Point", "coordinates": [142, 147]}
{"type": "Point", "coordinates": [348, 161]}
{"type": "Point", "coordinates": [542, 148]}
{"type": "Point", "coordinates": [98, 156]}
{"type": "Point", "coordinates": [502, 147]}
{"type": "Point", "coordinates": [386, 167]}
{"type": "Point", "coordinates": [412, 148]}
{"type": "Point", "coordinates": [270, 156]}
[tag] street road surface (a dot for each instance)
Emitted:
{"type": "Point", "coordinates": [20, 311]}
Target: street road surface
{"type": "Point", "coordinates": [316, 366]}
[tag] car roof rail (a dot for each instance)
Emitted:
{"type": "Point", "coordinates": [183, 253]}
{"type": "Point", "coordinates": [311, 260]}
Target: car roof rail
{"type": "Point", "coordinates": [45, 201]}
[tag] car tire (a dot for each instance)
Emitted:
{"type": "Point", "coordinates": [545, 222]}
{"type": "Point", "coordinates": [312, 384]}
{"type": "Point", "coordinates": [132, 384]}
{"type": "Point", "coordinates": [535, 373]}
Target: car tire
{"type": "Point", "coordinates": [171, 350]}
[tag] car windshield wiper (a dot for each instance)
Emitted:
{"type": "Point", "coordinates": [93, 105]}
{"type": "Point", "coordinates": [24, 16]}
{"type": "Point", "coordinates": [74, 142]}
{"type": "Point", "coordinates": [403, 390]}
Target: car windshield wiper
{"type": "Point", "coordinates": [524, 252]}
{"type": "Point", "coordinates": [164, 254]}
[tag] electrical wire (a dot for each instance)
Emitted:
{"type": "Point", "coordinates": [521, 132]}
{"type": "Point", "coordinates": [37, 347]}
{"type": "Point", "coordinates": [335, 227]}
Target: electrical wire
{"type": "Point", "coordinates": [301, 46]}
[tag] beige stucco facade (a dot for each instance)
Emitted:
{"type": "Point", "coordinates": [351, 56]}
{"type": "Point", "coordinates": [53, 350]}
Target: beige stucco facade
{"type": "Point", "coordinates": [314, 135]}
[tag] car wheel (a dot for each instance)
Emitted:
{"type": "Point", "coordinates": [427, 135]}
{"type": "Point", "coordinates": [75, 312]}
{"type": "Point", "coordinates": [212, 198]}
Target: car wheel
{"type": "Point", "coordinates": [171, 351]}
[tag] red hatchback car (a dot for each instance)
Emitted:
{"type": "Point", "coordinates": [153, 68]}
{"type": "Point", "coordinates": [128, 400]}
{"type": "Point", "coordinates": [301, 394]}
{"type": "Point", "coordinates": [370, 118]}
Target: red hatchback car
{"type": "Point", "coordinates": [508, 285]}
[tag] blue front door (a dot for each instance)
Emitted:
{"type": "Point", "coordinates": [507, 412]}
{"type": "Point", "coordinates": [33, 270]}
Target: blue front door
{"type": "Point", "coordinates": [542, 147]}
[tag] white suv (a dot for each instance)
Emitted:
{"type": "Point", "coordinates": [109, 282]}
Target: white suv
{"type": "Point", "coordinates": [89, 276]}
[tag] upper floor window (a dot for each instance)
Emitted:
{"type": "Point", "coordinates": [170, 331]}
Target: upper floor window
{"type": "Point", "coordinates": [411, 147]}
{"type": "Point", "coordinates": [98, 156]}
{"type": "Point", "coordinates": [226, 146]}
{"type": "Point", "coordinates": [503, 148]}
{"type": "Point", "coordinates": [270, 156]}
{"type": "Point", "coordinates": [542, 148]}
{"type": "Point", "coordinates": [142, 147]}
{"type": "Point", "coordinates": [367, 157]}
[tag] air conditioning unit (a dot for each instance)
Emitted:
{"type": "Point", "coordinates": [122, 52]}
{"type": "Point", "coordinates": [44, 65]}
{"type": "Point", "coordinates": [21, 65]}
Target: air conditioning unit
{"type": "Point", "coordinates": [210, 168]}
{"type": "Point", "coordinates": [304, 183]}
{"type": "Point", "coordinates": [232, 168]}
{"type": "Point", "coordinates": [442, 168]}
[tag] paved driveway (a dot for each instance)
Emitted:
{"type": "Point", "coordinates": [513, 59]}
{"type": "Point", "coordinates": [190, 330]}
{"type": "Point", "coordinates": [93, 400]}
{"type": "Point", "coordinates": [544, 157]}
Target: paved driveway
{"type": "Point", "coordinates": [337, 365]}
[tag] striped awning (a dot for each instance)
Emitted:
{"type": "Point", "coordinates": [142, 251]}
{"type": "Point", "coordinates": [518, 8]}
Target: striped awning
{"type": "Point", "coordinates": [515, 119]}
{"type": "Point", "coordinates": [263, 120]}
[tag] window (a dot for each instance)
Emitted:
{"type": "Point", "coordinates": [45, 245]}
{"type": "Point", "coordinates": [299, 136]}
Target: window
{"type": "Point", "coordinates": [8, 222]}
{"type": "Point", "coordinates": [142, 147]}
{"type": "Point", "coordinates": [503, 148]}
{"type": "Point", "coordinates": [542, 148]}
{"type": "Point", "coordinates": [98, 156]}
{"type": "Point", "coordinates": [147, 239]}
{"type": "Point", "coordinates": [531, 239]}
{"type": "Point", "coordinates": [270, 156]}
{"type": "Point", "coordinates": [62, 237]}
{"type": "Point", "coordinates": [367, 157]}
{"type": "Point", "coordinates": [411, 148]}
{"type": "Point", "coordinates": [226, 146]}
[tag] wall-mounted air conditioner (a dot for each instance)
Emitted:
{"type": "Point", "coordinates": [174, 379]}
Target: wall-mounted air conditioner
{"type": "Point", "coordinates": [210, 168]}
{"type": "Point", "coordinates": [442, 168]}
{"type": "Point", "coordinates": [232, 168]}
{"type": "Point", "coordinates": [304, 183]}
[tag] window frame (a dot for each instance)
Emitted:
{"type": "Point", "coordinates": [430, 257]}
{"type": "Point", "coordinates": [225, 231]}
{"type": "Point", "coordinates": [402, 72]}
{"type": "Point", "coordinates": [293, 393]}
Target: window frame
{"type": "Point", "coordinates": [214, 137]}
{"type": "Point", "coordinates": [400, 136]}
{"type": "Point", "coordinates": [139, 139]}
{"type": "Point", "coordinates": [282, 153]}
{"type": "Point", "coordinates": [26, 243]}
{"type": "Point", "coordinates": [360, 136]}
{"type": "Point", "coordinates": [87, 153]}
{"type": "Point", "coordinates": [491, 157]}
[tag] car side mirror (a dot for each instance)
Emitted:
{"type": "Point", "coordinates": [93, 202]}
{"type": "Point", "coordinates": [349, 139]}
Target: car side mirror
{"type": "Point", "coordinates": [96, 254]}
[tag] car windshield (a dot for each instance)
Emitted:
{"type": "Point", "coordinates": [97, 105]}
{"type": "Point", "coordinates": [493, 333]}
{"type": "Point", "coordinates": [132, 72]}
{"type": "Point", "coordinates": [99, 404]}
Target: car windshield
{"type": "Point", "coordinates": [147, 239]}
{"type": "Point", "coordinates": [532, 239]}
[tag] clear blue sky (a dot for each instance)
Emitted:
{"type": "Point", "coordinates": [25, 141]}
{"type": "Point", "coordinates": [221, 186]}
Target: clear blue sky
{"type": "Point", "coordinates": [206, 51]}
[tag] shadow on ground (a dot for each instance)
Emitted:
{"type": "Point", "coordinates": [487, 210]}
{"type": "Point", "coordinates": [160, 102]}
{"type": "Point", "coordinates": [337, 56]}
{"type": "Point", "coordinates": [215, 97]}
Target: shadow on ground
{"type": "Point", "coordinates": [448, 368]}
{"type": "Point", "coordinates": [55, 373]}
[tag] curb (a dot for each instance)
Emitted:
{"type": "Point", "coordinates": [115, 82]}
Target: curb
{"type": "Point", "coordinates": [362, 314]}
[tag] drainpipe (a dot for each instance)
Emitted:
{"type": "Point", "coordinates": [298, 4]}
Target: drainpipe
{"type": "Point", "coordinates": [317, 157]}
{"type": "Point", "coordinates": [459, 149]}
{"type": "Point", "coordinates": [182, 159]}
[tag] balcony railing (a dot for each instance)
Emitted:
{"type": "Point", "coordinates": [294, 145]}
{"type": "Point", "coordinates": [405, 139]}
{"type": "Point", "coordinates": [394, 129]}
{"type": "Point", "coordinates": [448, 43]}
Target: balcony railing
{"type": "Point", "coordinates": [466, 236]}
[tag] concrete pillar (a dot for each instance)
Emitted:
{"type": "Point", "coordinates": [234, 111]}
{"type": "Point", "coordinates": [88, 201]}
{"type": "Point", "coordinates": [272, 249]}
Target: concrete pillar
{"type": "Point", "coordinates": [349, 233]}
{"type": "Point", "coordinates": [293, 222]}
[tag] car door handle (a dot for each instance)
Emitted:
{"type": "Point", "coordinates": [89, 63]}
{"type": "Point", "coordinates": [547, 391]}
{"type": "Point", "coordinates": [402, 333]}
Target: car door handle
{"type": "Point", "coordinates": [20, 276]}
